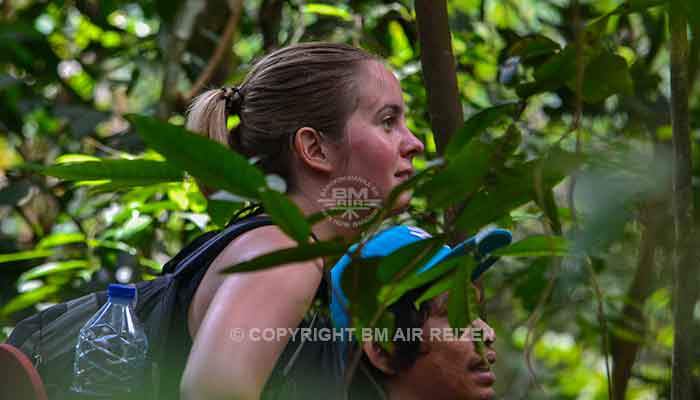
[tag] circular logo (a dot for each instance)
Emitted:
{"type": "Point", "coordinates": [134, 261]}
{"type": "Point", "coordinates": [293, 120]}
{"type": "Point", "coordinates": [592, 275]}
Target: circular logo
{"type": "Point", "coordinates": [350, 201]}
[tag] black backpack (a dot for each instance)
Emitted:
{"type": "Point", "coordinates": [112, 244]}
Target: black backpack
{"type": "Point", "coordinates": [49, 337]}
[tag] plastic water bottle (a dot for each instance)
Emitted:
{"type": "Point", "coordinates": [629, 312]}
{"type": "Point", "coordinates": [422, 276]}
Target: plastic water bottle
{"type": "Point", "coordinates": [110, 356]}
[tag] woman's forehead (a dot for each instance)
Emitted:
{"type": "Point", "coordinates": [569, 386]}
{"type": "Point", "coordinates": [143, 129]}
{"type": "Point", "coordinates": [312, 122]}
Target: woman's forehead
{"type": "Point", "coordinates": [378, 87]}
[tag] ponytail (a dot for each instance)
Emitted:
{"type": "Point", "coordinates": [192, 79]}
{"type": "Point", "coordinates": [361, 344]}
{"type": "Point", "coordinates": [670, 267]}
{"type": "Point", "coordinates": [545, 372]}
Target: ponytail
{"type": "Point", "coordinates": [207, 116]}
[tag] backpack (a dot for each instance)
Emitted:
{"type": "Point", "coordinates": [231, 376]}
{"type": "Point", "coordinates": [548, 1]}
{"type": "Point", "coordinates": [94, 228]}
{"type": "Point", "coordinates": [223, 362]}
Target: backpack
{"type": "Point", "coordinates": [50, 336]}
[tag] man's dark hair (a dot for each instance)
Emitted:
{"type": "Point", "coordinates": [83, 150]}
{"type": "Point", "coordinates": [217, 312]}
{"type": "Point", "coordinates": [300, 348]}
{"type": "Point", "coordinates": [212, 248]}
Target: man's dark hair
{"type": "Point", "coordinates": [368, 382]}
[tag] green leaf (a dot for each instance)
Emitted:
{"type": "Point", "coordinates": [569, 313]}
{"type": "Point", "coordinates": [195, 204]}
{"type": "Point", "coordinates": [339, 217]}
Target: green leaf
{"type": "Point", "coordinates": [536, 246]}
{"type": "Point", "coordinates": [27, 299]}
{"type": "Point", "coordinates": [136, 223]}
{"type": "Point", "coordinates": [109, 244]}
{"type": "Point", "coordinates": [458, 303]}
{"type": "Point", "coordinates": [24, 255]}
{"type": "Point", "coordinates": [361, 286]}
{"type": "Point", "coordinates": [465, 174]}
{"type": "Point", "coordinates": [477, 124]}
{"type": "Point", "coordinates": [514, 187]}
{"type": "Point", "coordinates": [391, 293]}
{"type": "Point", "coordinates": [327, 10]}
{"type": "Point", "coordinates": [286, 214]}
{"type": "Point", "coordinates": [302, 252]}
{"type": "Point", "coordinates": [416, 254]}
{"type": "Point", "coordinates": [121, 172]}
{"type": "Point", "coordinates": [533, 46]}
{"type": "Point", "coordinates": [606, 75]}
{"type": "Point", "coordinates": [52, 268]}
{"type": "Point", "coordinates": [60, 239]}
{"type": "Point", "coordinates": [208, 161]}
{"type": "Point", "coordinates": [436, 289]}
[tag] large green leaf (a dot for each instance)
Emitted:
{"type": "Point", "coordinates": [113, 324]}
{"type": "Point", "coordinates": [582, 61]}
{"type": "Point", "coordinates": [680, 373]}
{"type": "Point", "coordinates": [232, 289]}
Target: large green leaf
{"type": "Point", "coordinates": [302, 252]}
{"type": "Point", "coordinates": [465, 174]}
{"type": "Point", "coordinates": [458, 313]}
{"type": "Point", "coordinates": [514, 187]}
{"type": "Point", "coordinates": [52, 268]}
{"type": "Point", "coordinates": [536, 246]}
{"type": "Point", "coordinates": [361, 287]}
{"type": "Point", "coordinates": [208, 161]}
{"type": "Point", "coordinates": [477, 124]}
{"type": "Point", "coordinates": [286, 214]}
{"type": "Point", "coordinates": [120, 172]}
{"type": "Point", "coordinates": [606, 75]}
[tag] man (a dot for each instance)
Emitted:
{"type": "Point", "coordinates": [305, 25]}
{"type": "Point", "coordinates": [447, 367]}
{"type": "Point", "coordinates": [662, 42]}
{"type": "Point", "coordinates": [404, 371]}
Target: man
{"type": "Point", "coordinates": [427, 360]}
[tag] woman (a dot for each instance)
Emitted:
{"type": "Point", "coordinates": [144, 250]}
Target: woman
{"type": "Point", "coordinates": [311, 113]}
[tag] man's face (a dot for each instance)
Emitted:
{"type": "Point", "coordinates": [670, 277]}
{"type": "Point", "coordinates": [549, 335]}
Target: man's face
{"type": "Point", "coordinates": [450, 368]}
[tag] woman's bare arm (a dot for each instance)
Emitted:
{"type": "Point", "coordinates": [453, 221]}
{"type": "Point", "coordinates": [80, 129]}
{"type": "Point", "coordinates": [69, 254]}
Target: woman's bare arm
{"type": "Point", "coordinates": [220, 364]}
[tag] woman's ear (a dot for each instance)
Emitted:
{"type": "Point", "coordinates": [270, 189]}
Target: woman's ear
{"type": "Point", "coordinates": [378, 357]}
{"type": "Point", "coordinates": [312, 149]}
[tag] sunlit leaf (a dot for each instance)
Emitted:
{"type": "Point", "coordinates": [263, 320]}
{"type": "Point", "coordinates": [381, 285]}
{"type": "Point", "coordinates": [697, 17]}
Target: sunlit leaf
{"type": "Point", "coordinates": [27, 299]}
{"type": "Point", "coordinates": [60, 239]}
{"type": "Point", "coordinates": [24, 255]}
{"type": "Point", "coordinates": [327, 10]}
{"type": "Point", "coordinates": [52, 268]}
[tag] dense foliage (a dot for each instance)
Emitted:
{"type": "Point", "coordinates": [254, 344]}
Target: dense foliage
{"type": "Point", "coordinates": [567, 141]}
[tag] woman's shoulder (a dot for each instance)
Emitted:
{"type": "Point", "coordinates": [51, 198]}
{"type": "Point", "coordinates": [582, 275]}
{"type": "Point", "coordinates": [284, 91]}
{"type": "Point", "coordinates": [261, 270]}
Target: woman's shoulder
{"type": "Point", "coordinates": [251, 244]}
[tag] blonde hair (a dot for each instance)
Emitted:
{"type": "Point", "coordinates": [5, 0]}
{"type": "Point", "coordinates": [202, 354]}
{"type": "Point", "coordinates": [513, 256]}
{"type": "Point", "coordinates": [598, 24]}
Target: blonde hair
{"type": "Point", "coordinates": [305, 85]}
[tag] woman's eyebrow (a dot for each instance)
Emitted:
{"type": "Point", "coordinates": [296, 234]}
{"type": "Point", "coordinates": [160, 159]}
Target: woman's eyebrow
{"type": "Point", "coordinates": [394, 108]}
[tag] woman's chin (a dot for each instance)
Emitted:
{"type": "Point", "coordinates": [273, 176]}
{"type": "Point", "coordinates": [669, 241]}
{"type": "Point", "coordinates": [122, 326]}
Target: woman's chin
{"type": "Point", "coordinates": [402, 202]}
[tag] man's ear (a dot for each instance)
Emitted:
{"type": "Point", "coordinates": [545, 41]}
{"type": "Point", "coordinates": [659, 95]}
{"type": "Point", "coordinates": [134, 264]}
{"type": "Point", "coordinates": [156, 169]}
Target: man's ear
{"type": "Point", "coordinates": [378, 357]}
{"type": "Point", "coordinates": [311, 148]}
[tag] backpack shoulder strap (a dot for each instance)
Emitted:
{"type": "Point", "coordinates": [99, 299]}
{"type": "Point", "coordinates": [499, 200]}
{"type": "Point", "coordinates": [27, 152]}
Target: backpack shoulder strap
{"type": "Point", "coordinates": [206, 252]}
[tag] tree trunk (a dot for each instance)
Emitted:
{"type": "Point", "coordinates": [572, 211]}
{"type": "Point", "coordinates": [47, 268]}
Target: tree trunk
{"type": "Point", "coordinates": [685, 265]}
{"type": "Point", "coordinates": [439, 73]}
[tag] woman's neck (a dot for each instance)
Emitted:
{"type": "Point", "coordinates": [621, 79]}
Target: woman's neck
{"type": "Point", "coordinates": [325, 229]}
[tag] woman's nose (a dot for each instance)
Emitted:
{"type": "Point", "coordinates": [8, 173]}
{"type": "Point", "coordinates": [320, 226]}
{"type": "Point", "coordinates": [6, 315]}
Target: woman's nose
{"type": "Point", "coordinates": [411, 145]}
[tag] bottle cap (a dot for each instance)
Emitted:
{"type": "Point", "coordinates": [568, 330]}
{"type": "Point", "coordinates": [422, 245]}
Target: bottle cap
{"type": "Point", "coordinates": [126, 292]}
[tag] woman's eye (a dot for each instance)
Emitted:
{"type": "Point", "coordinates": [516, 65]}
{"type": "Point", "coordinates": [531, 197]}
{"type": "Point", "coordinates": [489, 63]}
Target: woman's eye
{"type": "Point", "coordinates": [388, 123]}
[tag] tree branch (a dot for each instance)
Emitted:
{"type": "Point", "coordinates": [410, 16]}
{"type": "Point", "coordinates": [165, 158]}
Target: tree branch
{"type": "Point", "coordinates": [176, 43]}
{"type": "Point", "coordinates": [224, 45]}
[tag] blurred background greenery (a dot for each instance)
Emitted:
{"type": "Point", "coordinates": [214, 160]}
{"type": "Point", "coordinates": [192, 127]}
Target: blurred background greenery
{"type": "Point", "coordinates": [590, 77]}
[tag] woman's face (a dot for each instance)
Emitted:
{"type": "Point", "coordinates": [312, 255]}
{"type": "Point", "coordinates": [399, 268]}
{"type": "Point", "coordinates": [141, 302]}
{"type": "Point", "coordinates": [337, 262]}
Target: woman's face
{"type": "Point", "coordinates": [380, 146]}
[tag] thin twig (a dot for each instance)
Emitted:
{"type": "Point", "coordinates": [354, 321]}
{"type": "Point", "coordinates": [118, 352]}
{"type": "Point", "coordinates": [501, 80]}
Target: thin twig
{"type": "Point", "coordinates": [224, 45]}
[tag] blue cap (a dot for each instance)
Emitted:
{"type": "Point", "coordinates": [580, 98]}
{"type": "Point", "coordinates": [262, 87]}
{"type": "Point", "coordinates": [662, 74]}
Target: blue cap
{"type": "Point", "coordinates": [396, 237]}
{"type": "Point", "coordinates": [117, 291]}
